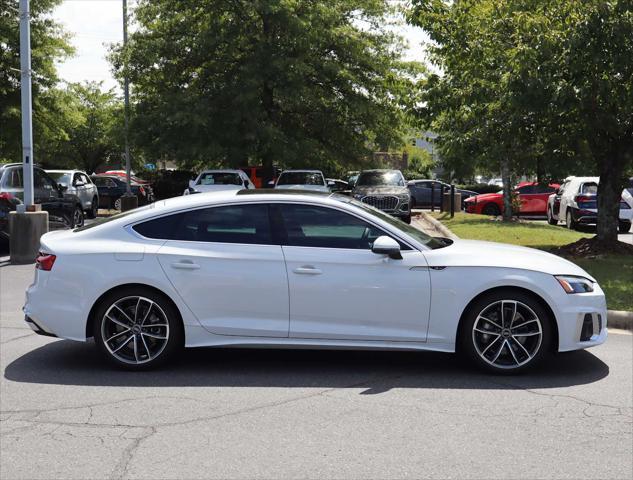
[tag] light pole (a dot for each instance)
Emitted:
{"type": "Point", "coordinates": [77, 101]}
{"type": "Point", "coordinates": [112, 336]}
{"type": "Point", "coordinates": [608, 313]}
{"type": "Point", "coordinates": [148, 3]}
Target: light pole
{"type": "Point", "coordinates": [25, 91]}
{"type": "Point", "coordinates": [129, 200]}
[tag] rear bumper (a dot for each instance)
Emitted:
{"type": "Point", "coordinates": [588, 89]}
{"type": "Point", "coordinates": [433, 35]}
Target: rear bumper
{"type": "Point", "coordinates": [36, 328]}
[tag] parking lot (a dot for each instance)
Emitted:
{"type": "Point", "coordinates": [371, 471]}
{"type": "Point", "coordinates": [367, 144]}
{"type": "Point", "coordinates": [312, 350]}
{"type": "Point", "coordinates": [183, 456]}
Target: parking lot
{"type": "Point", "coordinates": [286, 414]}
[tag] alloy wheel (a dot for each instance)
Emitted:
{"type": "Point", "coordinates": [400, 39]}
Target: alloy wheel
{"type": "Point", "coordinates": [117, 204]}
{"type": "Point", "coordinates": [507, 334]}
{"type": "Point", "coordinates": [135, 330]}
{"type": "Point", "coordinates": [78, 218]}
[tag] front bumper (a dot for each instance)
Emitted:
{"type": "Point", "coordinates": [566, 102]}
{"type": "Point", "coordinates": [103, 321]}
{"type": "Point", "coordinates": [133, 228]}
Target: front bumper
{"type": "Point", "coordinates": [582, 320]}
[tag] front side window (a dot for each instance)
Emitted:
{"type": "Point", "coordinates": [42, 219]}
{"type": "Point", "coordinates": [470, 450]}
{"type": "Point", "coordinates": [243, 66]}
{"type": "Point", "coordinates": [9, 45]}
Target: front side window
{"type": "Point", "coordinates": [61, 177]}
{"type": "Point", "coordinates": [301, 178]}
{"type": "Point", "coordinates": [315, 226]}
{"type": "Point", "coordinates": [228, 224]}
{"type": "Point", "coordinates": [590, 188]}
{"type": "Point", "coordinates": [374, 179]}
{"type": "Point", "coordinates": [13, 178]}
{"type": "Point", "coordinates": [219, 178]}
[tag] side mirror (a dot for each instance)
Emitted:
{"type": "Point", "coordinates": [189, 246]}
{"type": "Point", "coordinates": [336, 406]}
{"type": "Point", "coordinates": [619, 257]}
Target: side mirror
{"type": "Point", "coordinates": [385, 245]}
{"type": "Point", "coordinates": [192, 183]}
{"type": "Point", "coordinates": [271, 183]}
{"type": "Point", "coordinates": [62, 187]}
{"type": "Point", "coordinates": [330, 183]}
{"type": "Point", "coordinates": [245, 182]}
{"type": "Point", "coordinates": [557, 191]}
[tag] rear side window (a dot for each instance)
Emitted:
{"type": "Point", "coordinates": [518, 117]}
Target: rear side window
{"type": "Point", "coordinates": [229, 224]}
{"type": "Point", "coordinates": [590, 188]}
{"type": "Point", "coordinates": [13, 178]}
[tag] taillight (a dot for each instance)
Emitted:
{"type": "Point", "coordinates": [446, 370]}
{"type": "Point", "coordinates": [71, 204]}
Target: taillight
{"type": "Point", "coordinates": [6, 196]}
{"type": "Point", "coordinates": [45, 261]}
{"type": "Point", "coordinates": [583, 199]}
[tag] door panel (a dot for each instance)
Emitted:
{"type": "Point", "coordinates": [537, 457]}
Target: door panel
{"type": "Point", "coordinates": [355, 294]}
{"type": "Point", "coordinates": [233, 289]}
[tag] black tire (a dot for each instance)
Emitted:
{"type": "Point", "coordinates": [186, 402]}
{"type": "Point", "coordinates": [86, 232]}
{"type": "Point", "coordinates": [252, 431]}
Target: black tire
{"type": "Point", "coordinates": [407, 219]}
{"type": "Point", "coordinates": [94, 209]}
{"type": "Point", "coordinates": [161, 310]}
{"type": "Point", "coordinates": [117, 204]}
{"type": "Point", "coordinates": [624, 227]}
{"type": "Point", "coordinates": [472, 342]}
{"type": "Point", "coordinates": [550, 217]}
{"type": "Point", "coordinates": [412, 202]}
{"type": "Point", "coordinates": [570, 223]}
{"type": "Point", "coordinates": [78, 217]}
{"type": "Point", "coordinates": [491, 209]}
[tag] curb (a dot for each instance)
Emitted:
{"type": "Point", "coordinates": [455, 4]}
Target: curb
{"type": "Point", "coordinates": [439, 226]}
{"type": "Point", "coordinates": [620, 319]}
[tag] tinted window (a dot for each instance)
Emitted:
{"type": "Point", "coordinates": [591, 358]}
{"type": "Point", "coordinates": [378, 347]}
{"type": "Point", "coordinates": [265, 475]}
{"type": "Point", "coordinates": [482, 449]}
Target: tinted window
{"type": "Point", "coordinates": [41, 180]}
{"type": "Point", "coordinates": [13, 178]}
{"type": "Point", "coordinates": [313, 226]}
{"type": "Point", "coordinates": [60, 177]}
{"type": "Point", "coordinates": [230, 224]}
{"type": "Point", "coordinates": [589, 188]}
{"type": "Point", "coordinates": [544, 189]}
{"type": "Point", "coordinates": [369, 178]}
{"type": "Point", "coordinates": [301, 178]}
{"type": "Point", "coordinates": [526, 190]}
{"type": "Point", "coordinates": [219, 178]}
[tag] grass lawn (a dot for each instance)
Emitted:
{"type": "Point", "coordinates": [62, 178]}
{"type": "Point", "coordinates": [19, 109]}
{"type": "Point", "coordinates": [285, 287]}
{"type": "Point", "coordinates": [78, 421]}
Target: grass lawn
{"type": "Point", "coordinates": [613, 272]}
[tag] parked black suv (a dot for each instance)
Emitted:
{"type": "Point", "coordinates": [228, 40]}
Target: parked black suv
{"type": "Point", "coordinates": [64, 210]}
{"type": "Point", "coordinates": [385, 190]}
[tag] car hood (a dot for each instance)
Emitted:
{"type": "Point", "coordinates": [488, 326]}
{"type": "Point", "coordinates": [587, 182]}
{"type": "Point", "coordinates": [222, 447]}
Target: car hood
{"type": "Point", "coordinates": [216, 188]}
{"type": "Point", "coordinates": [298, 186]}
{"type": "Point", "coordinates": [381, 190]}
{"type": "Point", "coordinates": [475, 253]}
{"type": "Point", "coordinates": [482, 197]}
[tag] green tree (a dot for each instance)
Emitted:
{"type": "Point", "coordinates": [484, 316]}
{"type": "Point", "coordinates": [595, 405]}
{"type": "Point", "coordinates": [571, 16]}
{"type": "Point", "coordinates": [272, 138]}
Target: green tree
{"type": "Point", "coordinates": [542, 85]}
{"type": "Point", "coordinates": [317, 83]}
{"type": "Point", "coordinates": [49, 44]}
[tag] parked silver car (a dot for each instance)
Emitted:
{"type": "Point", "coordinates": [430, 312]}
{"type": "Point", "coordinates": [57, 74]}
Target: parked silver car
{"type": "Point", "coordinates": [79, 184]}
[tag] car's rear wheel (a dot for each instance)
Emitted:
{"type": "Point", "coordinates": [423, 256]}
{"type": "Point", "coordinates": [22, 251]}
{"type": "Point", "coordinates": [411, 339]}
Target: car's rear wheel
{"type": "Point", "coordinates": [550, 217]}
{"type": "Point", "coordinates": [569, 220]}
{"type": "Point", "coordinates": [624, 227]}
{"type": "Point", "coordinates": [491, 209]}
{"type": "Point", "coordinates": [407, 219]}
{"type": "Point", "coordinates": [78, 217]}
{"type": "Point", "coordinates": [137, 328]}
{"type": "Point", "coordinates": [506, 332]}
{"type": "Point", "coordinates": [94, 208]}
{"type": "Point", "coordinates": [117, 204]}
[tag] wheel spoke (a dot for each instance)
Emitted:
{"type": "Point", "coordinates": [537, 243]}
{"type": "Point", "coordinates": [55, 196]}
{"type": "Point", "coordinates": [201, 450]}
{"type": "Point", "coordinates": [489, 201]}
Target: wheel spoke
{"type": "Point", "coordinates": [150, 325]}
{"type": "Point", "coordinates": [487, 332]}
{"type": "Point", "coordinates": [490, 345]}
{"type": "Point", "coordinates": [151, 335]}
{"type": "Point", "coordinates": [151, 304]}
{"type": "Point", "coordinates": [531, 334]}
{"type": "Point", "coordinates": [118, 335]}
{"type": "Point", "coordinates": [118, 322]}
{"type": "Point", "coordinates": [520, 345]}
{"type": "Point", "coordinates": [512, 352]}
{"type": "Point", "coordinates": [125, 342]}
{"type": "Point", "coordinates": [503, 344]}
{"type": "Point", "coordinates": [135, 348]}
{"type": "Point", "coordinates": [149, 355]}
{"type": "Point", "coordinates": [507, 322]}
{"type": "Point", "coordinates": [485, 319]}
{"type": "Point", "coordinates": [124, 314]}
{"type": "Point", "coordinates": [524, 324]}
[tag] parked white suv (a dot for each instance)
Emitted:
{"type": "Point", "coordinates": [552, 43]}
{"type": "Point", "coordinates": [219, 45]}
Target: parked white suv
{"type": "Point", "coordinates": [79, 183]}
{"type": "Point", "coordinates": [217, 180]}
{"type": "Point", "coordinates": [311, 180]}
{"type": "Point", "coordinates": [576, 202]}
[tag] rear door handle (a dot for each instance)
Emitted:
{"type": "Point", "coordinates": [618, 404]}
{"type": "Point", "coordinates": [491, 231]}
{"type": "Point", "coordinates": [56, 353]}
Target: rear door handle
{"type": "Point", "coordinates": [307, 270]}
{"type": "Point", "coordinates": [185, 265]}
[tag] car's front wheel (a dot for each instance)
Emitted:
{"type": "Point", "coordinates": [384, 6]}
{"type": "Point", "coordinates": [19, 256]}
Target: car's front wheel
{"type": "Point", "coordinates": [78, 217]}
{"type": "Point", "coordinates": [506, 331]}
{"type": "Point", "coordinates": [624, 227]}
{"type": "Point", "coordinates": [137, 328]}
{"type": "Point", "coordinates": [94, 208]}
{"type": "Point", "coordinates": [491, 209]}
{"type": "Point", "coordinates": [569, 220]}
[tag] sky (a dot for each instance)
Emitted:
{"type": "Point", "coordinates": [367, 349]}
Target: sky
{"type": "Point", "coordinates": [96, 23]}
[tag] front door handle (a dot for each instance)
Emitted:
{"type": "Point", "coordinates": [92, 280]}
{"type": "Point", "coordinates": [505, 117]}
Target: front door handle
{"type": "Point", "coordinates": [185, 265]}
{"type": "Point", "coordinates": [307, 270]}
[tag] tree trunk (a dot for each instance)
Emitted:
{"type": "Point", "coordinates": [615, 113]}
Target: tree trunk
{"type": "Point", "coordinates": [609, 196]}
{"type": "Point", "coordinates": [507, 189]}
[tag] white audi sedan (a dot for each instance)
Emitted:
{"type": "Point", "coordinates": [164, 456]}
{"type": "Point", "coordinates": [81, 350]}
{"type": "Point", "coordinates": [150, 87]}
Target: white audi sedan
{"type": "Point", "coordinates": [298, 270]}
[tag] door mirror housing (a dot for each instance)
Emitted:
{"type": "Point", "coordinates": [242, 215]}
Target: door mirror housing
{"type": "Point", "coordinates": [271, 183]}
{"type": "Point", "coordinates": [192, 184]}
{"type": "Point", "coordinates": [385, 245]}
{"type": "Point", "coordinates": [330, 183]}
{"type": "Point", "coordinates": [62, 187]}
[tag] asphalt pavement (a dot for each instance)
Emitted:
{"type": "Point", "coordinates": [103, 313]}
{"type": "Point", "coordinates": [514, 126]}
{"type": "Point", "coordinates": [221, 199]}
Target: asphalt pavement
{"type": "Point", "coordinates": [228, 413]}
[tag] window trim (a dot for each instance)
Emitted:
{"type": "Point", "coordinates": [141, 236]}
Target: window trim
{"type": "Point", "coordinates": [129, 226]}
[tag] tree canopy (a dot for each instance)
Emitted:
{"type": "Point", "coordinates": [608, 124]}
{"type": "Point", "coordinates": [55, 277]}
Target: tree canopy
{"type": "Point", "coordinates": [262, 81]}
{"type": "Point", "coordinates": [533, 86]}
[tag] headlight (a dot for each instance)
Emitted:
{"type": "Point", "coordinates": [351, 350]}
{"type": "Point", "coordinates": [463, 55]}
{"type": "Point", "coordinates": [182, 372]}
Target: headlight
{"type": "Point", "coordinates": [575, 284]}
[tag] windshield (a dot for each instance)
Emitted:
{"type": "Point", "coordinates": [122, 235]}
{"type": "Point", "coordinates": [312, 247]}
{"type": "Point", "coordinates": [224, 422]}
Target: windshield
{"type": "Point", "coordinates": [374, 179]}
{"type": "Point", "coordinates": [60, 177]}
{"type": "Point", "coordinates": [419, 235]}
{"type": "Point", "coordinates": [219, 178]}
{"type": "Point", "coordinates": [301, 178]}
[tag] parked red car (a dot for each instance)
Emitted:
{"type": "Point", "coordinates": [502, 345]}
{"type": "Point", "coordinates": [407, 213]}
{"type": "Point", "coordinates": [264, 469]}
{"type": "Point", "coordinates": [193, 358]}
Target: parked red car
{"type": "Point", "coordinates": [533, 197]}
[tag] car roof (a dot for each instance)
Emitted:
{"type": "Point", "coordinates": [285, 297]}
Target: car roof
{"type": "Point", "coordinates": [301, 170]}
{"type": "Point", "coordinates": [381, 170]}
{"type": "Point", "coordinates": [221, 170]}
{"type": "Point", "coordinates": [63, 171]}
{"type": "Point", "coordinates": [525, 184]}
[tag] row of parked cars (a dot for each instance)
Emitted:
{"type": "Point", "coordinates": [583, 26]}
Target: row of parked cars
{"type": "Point", "coordinates": [573, 202]}
{"type": "Point", "coordinates": [67, 195]}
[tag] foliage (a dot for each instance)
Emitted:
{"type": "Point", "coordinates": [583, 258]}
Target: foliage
{"type": "Point", "coordinates": [420, 163]}
{"type": "Point", "coordinates": [49, 44]}
{"type": "Point", "coordinates": [533, 86]}
{"type": "Point", "coordinates": [317, 83]}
